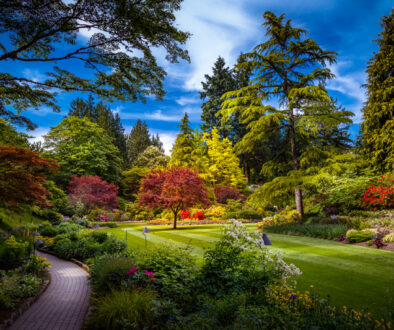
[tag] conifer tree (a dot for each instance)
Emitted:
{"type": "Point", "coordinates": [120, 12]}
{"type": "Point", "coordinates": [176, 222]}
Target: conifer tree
{"type": "Point", "coordinates": [378, 124]}
{"type": "Point", "coordinates": [189, 149]}
{"type": "Point", "coordinates": [137, 141]}
{"type": "Point", "coordinates": [223, 163]}
{"type": "Point", "coordinates": [221, 81]}
{"type": "Point", "coordinates": [291, 70]}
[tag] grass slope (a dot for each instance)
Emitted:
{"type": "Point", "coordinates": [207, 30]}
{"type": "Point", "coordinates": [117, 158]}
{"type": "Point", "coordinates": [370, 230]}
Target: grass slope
{"type": "Point", "coordinates": [351, 275]}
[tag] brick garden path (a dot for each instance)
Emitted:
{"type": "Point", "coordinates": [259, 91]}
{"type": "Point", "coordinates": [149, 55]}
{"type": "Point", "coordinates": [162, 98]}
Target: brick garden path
{"type": "Point", "coordinates": [64, 303]}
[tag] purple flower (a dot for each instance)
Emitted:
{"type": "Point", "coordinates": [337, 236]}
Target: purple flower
{"type": "Point", "coordinates": [293, 297]}
{"type": "Point", "coordinates": [132, 271]}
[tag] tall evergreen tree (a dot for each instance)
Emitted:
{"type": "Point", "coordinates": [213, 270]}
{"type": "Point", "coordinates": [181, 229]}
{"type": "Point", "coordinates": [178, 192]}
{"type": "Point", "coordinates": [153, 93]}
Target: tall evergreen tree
{"type": "Point", "coordinates": [221, 81]}
{"type": "Point", "coordinates": [189, 149]}
{"type": "Point", "coordinates": [290, 70]}
{"type": "Point", "coordinates": [155, 140]}
{"type": "Point", "coordinates": [378, 124]}
{"type": "Point", "coordinates": [104, 117]}
{"type": "Point", "coordinates": [138, 140]}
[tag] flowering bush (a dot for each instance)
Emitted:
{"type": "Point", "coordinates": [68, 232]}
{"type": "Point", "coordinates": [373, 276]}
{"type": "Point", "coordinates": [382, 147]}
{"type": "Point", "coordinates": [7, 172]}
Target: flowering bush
{"type": "Point", "coordinates": [285, 217]}
{"type": "Point", "coordinates": [199, 215]}
{"type": "Point", "coordinates": [184, 214]}
{"type": "Point", "coordinates": [381, 195]}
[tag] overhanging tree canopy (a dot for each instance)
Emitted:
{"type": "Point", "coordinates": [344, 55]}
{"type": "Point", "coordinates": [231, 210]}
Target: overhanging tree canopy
{"type": "Point", "coordinates": [118, 53]}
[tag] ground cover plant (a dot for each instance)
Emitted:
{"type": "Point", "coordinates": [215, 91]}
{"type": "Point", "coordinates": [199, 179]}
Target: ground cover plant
{"type": "Point", "coordinates": [333, 268]}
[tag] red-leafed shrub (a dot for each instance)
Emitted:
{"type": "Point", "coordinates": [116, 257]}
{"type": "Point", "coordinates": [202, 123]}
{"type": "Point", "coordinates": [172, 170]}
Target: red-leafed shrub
{"type": "Point", "coordinates": [184, 214]}
{"type": "Point", "coordinates": [92, 192]}
{"type": "Point", "coordinates": [199, 215]}
{"type": "Point", "coordinates": [176, 188]}
{"type": "Point", "coordinates": [381, 195]}
{"type": "Point", "coordinates": [223, 194]}
{"type": "Point", "coordinates": [22, 173]}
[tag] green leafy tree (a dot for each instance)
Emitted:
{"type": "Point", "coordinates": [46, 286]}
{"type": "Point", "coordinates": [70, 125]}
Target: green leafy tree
{"type": "Point", "coordinates": [82, 148]}
{"type": "Point", "coordinates": [290, 70]}
{"type": "Point", "coordinates": [151, 157]}
{"type": "Point", "coordinates": [221, 81]}
{"type": "Point", "coordinates": [189, 149]}
{"type": "Point", "coordinates": [378, 124]}
{"type": "Point", "coordinates": [131, 181]}
{"type": "Point", "coordinates": [118, 53]}
{"type": "Point", "coordinates": [10, 136]}
{"type": "Point", "coordinates": [224, 166]}
{"type": "Point", "coordinates": [138, 141]}
{"type": "Point", "coordinates": [104, 117]}
{"type": "Point", "coordinates": [57, 197]}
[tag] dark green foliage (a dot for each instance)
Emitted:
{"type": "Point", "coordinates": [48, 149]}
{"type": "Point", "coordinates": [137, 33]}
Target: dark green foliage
{"type": "Point", "coordinates": [221, 81]}
{"type": "Point", "coordinates": [378, 113]}
{"type": "Point", "coordinates": [68, 227]}
{"type": "Point", "coordinates": [100, 236]}
{"type": "Point", "coordinates": [48, 32]}
{"type": "Point", "coordinates": [10, 136]}
{"type": "Point", "coordinates": [103, 116]}
{"type": "Point", "coordinates": [108, 271]}
{"type": "Point", "coordinates": [329, 231]}
{"type": "Point", "coordinates": [138, 140]}
{"type": "Point", "coordinates": [57, 197]}
{"type": "Point", "coordinates": [50, 231]}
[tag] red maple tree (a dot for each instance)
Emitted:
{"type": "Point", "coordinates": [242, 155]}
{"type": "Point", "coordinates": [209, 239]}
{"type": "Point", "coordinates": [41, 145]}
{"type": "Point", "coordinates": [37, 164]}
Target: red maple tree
{"type": "Point", "coordinates": [223, 194]}
{"type": "Point", "coordinates": [22, 173]}
{"type": "Point", "coordinates": [176, 188]}
{"type": "Point", "coordinates": [92, 191]}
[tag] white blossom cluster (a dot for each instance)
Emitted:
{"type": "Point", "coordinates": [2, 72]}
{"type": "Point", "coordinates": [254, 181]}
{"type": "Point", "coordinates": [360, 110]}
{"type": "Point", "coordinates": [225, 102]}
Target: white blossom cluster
{"type": "Point", "coordinates": [238, 235]}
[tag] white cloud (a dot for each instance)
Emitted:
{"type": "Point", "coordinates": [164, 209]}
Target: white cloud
{"type": "Point", "coordinates": [185, 100]}
{"type": "Point", "coordinates": [33, 75]}
{"type": "Point", "coordinates": [349, 84]}
{"type": "Point", "coordinates": [168, 139]}
{"type": "Point", "coordinates": [218, 28]}
{"type": "Point", "coordinates": [157, 115]}
{"type": "Point", "coordinates": [38, 134]}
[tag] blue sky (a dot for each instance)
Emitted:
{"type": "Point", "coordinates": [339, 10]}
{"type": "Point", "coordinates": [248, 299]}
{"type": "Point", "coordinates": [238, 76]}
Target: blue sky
{"type": "Point", "coordinates": [226, 28]}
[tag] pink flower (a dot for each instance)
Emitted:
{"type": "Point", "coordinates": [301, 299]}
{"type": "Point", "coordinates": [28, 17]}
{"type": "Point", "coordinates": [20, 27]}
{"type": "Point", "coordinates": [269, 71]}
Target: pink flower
{"type": "Point", "coordinates": [132, 271]}
{"type": "Point", "coordinates": [150, 274]}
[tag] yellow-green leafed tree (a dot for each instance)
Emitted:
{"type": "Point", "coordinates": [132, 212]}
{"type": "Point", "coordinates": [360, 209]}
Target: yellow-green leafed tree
{"type": "Point", "coordinates": [224, 166]}
{"type": "Point", "coordinates": [189, 150]}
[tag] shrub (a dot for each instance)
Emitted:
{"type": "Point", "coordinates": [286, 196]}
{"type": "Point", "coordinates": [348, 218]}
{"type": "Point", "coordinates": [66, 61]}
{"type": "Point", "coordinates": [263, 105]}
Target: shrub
{"type": "Point", "coordinates": [223, 194]}
{"type": "Point", "coordinates": [249, 214]}
{"type": "Point", "coordinates": [286, 216]}
{"type": "Point", "coordinates": [310, 230]}
{"type": "Point", "coordinates": [355, 236]}
{"type": "Point", "coordinates": [36, 265]}
{"type": "Point", "coordinates": [114, 245]}
{"type": "Point", "coordinates": [389, 238]}
{"type": "Point", "coordinates": [124, 310]}
{"type": "Point", "coordinates": [99, 236]}
{"type": "Point", "coordinates": [93, 192]}
{"type": "Point", "coordinates": [108, 271]}
{"type": "Point", "coordinates": [381, 195]}
{"type": "Point", "coordinates": [68, 227]}
{"type": "Point", "coordinates": [49, 231]}
{"type": "Point", "coordinates": [12, 252]}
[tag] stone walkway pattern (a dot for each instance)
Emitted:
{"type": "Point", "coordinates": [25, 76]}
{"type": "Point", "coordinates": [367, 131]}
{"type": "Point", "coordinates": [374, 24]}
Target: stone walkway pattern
{"type": "Point", "coordinates": [64, 303]}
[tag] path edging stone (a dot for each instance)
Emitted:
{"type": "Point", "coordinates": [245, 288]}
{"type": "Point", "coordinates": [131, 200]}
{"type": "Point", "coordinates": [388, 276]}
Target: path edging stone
{"type": "Point", "coordinates": [25, 306]}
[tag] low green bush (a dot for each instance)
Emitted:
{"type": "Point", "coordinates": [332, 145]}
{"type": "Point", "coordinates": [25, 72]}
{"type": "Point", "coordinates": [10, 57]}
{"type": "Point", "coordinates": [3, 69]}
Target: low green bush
{"type": "Point", "coordinates": [108, 271]}
{"type": "Point", "coordinates": [12, 251]}
{"type": "Point", "coordinates": [124, 309]}
{"type": "Point", "coordinates": [67, 227]}
{"type": "Point", "coordinates": [309, 230]}
{"type": "Point", "coordinates": [99, 236]}
{"type": "Point", "coordinates": [389, 238]}
{"type": "Point", "coordinates": [49, 231]}
{"type": "Point", "coordinates": [355, 236]}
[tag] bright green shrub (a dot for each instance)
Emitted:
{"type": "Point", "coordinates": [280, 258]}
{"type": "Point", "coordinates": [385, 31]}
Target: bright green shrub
{"type": "Point", "coordinates": [388, 238]}
{"type": "Point", "coordinates": [355, 236]}
{"type": "Point", "coordinates": [124, 310]}
{"type": "Point", "coordinates": [12, 252]}
{"type": "Point", "coordinates": [99, 236]}
{"type": "Point", "coordinates": [67, 227]}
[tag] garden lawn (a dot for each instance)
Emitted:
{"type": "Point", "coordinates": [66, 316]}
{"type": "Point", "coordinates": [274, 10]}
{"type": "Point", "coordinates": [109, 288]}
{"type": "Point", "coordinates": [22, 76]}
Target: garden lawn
{"type": "Point", "coordinates": [351, 275]}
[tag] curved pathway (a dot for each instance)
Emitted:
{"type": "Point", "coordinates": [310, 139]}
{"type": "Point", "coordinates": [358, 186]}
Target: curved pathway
{"type": "Point", "coordinates": [64, 303]}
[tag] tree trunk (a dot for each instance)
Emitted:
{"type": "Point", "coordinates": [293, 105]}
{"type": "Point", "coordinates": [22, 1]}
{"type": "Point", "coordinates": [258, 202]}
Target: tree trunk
{"type": "Point", "coordinates": [296, 167]}
{"type": "Point", "coordinates": [175, 216]}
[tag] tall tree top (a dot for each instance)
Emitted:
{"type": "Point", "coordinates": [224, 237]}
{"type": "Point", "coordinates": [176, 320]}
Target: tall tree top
{"type": "Point", "coordinates": [185, 125]}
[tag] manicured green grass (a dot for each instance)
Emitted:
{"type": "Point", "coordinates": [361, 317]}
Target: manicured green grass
{"type": "Point", "coordinates": [352, 275]}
